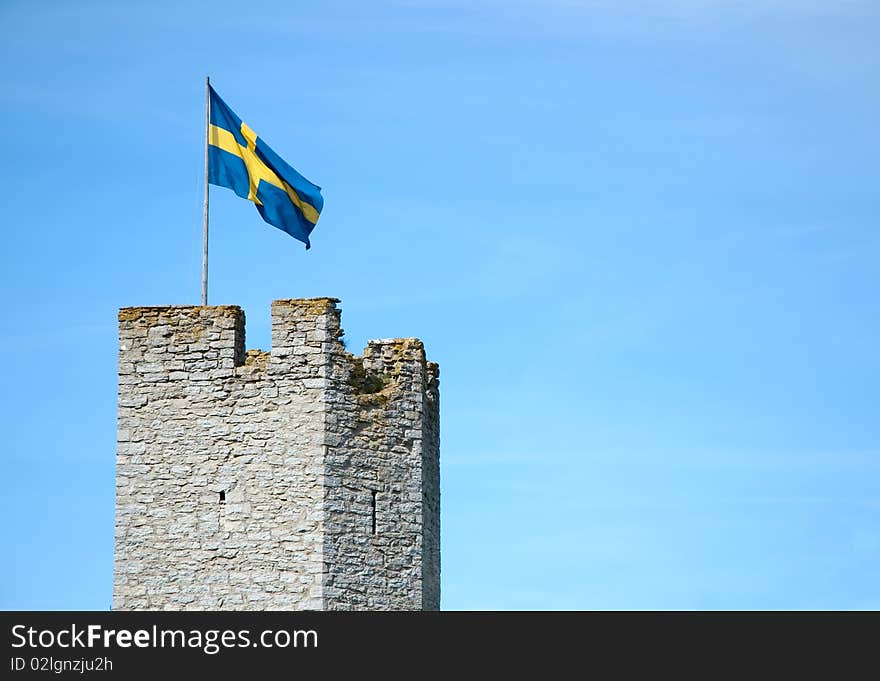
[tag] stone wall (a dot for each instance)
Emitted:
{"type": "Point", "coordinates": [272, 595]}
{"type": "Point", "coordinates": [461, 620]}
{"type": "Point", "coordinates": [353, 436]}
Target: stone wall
{"type": "Point", "coordinates": [381, 499]}
{"type": "Point", "coordinates": [302, 478]}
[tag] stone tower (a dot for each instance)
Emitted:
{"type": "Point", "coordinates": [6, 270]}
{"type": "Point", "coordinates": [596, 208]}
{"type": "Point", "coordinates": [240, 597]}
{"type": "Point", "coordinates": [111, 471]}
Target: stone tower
{"type": "Point", "coordinates": [300, 478]}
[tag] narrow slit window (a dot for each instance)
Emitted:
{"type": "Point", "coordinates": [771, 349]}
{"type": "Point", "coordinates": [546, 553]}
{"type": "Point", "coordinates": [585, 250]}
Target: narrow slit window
{"type": "Point", "coordinates": [222, 496]}
{"type": "Point", "coordinates": [373, 511]}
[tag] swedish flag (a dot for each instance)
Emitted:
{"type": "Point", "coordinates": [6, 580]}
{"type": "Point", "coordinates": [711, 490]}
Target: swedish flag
{"type": "Point", "coordinates": [240, 160]}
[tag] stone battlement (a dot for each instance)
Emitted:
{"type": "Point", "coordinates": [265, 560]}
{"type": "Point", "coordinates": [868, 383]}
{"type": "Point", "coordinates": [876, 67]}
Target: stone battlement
{"type": "Point", "coordinates": [303, 477]}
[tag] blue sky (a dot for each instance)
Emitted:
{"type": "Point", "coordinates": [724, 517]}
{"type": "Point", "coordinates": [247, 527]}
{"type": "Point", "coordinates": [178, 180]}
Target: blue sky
{"type": "Point", "coordinates": [641, 242]}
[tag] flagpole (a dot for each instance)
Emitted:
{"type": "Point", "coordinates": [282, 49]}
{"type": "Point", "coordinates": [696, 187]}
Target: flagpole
{"type": "Point", "coordinates": [205, 232]}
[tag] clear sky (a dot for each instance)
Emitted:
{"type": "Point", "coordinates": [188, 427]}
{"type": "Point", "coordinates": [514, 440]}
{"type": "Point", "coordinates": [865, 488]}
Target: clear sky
{"type": "Point", "coordinates": [641, 242]}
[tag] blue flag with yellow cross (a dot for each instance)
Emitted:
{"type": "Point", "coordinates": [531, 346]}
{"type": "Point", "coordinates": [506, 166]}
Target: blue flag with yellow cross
{"type": "Point", "coordinates": [240, 160]}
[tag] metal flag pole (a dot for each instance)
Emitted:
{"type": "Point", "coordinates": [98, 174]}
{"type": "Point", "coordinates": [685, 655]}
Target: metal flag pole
{"type": "Point", "coordinates": [205, 233]}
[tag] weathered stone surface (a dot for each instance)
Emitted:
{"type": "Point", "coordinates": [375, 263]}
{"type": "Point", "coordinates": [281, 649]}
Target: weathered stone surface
{"type": "Point", "coordinates": [301, 478]}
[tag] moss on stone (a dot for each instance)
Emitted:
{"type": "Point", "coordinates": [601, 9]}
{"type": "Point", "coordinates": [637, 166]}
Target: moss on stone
{"type": "Point", "coordinates": [152, 314]}
{"type": "Point", "coordinates": [130, 314]}
{"type": "Point", "coordinates": [363, 381]}
{"type": "Point", "coordinates": [311, 306]}
{"type": "Point", "coordinates": [373, 400]}
{"type": "Point", "coordinates": [258, 359]}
